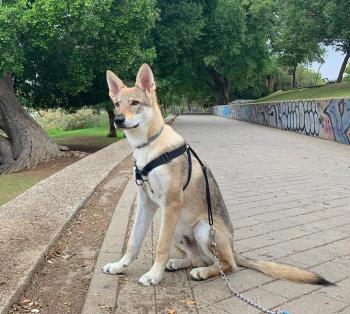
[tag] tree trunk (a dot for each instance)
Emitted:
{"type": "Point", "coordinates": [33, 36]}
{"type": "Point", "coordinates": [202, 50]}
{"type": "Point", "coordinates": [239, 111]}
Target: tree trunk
{"type": "Point", "coordinates": [112, 129]}
{"type": "Point", "coordinates": [343, 66]}
{"type": "Point", "coordinates": [23, 143]}
{"type": "Point", "coordinates": [220, 87]}
{"type": "Point", "coordinates": [270, 83]}
{"type": "Point", "coordinates": [294, 77]}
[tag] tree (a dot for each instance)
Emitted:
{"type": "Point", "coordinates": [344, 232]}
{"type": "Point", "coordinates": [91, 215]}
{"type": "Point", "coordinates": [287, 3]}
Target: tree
{"type": "Point", "coordinates": [177, 30]}
{"type": "Point", "coordinates": [347, 73]}
{"type": "Point", "coordinates": [57, 52]}
{"type": "Point", "coordinates": [337, 24]}
{"type": "Point", "coordinates": [326, 22]}
{"type": "Point", "coordinates": [223, 50]}
{"type": "Point", "coordinates": [22, 142]}
{"type": "Point", "coordinates": [294, 40]}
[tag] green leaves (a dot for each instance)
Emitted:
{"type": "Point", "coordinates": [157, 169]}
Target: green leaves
{"type": "Point", "coordinates": [60, 50]}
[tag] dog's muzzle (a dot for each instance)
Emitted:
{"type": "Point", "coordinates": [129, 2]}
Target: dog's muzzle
{"type": "Point", "coordinates": [119, 120]}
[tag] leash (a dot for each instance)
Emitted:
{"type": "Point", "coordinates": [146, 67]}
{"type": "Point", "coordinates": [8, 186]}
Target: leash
{"type": "Point", "coordinates": [215, 251]}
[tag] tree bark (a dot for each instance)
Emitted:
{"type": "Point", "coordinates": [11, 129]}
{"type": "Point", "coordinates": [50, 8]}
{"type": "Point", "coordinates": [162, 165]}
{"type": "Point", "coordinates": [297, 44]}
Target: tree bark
{"type": "Point", "coordinates": [270, 81]}
{"type": "Point", "coordinates": [294, 77]}
{"type": "Point", "coordinates": [112, 129]}
{"type": "Point", "coordinates": [23, 143]}
{"type": "Point", "coordinates": [220, 87]}
{"type": "Point", "coordinates": [343, 66]}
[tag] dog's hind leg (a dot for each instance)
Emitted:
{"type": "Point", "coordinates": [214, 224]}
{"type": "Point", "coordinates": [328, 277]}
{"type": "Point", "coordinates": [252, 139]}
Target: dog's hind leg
{"type": "Point", "coordinates": [224, 249]}
{"type": "Point", "coordinates": [194, 257]}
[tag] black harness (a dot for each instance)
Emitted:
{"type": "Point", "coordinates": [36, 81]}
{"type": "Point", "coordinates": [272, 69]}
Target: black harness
{"type": "Point", "coordinates": [168, 157]}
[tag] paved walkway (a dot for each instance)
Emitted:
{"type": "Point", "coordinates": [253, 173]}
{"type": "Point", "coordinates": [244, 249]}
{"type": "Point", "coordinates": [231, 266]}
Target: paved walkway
{"type": "Point", "coordinates": [288, 196]}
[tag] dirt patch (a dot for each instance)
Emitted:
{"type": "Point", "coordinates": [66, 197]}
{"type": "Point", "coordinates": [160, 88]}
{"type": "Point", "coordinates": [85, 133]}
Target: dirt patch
{"type": "Point", "coordinates": [86, 143]}
{"type": "Point", "coordinates": [60, 285]}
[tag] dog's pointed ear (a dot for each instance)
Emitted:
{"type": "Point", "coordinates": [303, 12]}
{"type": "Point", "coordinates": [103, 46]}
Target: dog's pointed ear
{"type": "Point", "coordinates": [115, 84]}
{"type": "Point", "coordinates": [145, 79]}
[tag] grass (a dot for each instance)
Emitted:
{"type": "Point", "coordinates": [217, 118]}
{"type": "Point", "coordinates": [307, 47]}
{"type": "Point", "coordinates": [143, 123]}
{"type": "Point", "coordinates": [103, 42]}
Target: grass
{"type": "Point", "coordinates": [338, 90]}
{"type": "Point", "coordinates": [88, 140]}
{"type": "Point", "coordinates": [12, 185]}
{"type": "Point", "coordinates": [100, 131]}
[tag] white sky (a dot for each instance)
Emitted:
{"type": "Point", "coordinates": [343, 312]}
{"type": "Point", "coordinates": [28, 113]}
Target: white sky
{"type": "Point", "coordinates": [331, 67]}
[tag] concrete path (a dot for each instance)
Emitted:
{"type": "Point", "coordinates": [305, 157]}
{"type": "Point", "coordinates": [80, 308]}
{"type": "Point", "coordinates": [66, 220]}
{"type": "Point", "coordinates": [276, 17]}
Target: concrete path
{"type": "Point", "coordinates": [288, 197]}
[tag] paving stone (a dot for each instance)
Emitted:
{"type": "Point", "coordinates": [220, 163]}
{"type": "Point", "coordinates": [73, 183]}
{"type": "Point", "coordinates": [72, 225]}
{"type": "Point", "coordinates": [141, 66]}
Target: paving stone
{"type": "Point", "coordinates": [288, 198]}
{"type": "Point", "coordinates": [265, 298]}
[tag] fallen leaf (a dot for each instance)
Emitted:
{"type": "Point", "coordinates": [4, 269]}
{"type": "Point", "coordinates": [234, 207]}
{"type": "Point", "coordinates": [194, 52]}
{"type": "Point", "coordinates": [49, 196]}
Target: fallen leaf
{"type": "Point", "coordinates": [170, 311]}
{"type": "Point", "coordinates": [189, 302]}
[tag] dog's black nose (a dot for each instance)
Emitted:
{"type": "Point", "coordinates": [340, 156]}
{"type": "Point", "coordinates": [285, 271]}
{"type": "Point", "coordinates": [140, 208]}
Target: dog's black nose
{"type": "Point", "coordinates": [119, 119]}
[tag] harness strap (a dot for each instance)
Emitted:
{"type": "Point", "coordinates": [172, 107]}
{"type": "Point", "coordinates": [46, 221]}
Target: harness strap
{"type": "Point", "coordinates": [207, 189]}
{"type": "Point", "coordinates": [161, 160]}
{"type": "Point", "coordinates": [169, 156]}
{"type": "Point", "coordinates": [189, 159]}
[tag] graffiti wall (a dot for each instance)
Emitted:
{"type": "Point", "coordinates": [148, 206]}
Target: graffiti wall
{"type": "Point", "coordinates": [328, 119]}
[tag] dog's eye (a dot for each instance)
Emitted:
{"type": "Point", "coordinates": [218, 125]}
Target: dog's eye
{"type": "Point", "coordinates": [135, 103]}
{"type": "Point", "coordinates": [116, 104]}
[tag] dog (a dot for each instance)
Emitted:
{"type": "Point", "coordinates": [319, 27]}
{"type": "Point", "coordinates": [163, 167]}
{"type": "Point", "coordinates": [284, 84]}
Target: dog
{"type": "Point", "coordinates": [184, 216]}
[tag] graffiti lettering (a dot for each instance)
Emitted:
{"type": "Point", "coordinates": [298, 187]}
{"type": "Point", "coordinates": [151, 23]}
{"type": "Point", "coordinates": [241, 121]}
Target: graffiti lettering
{"type": "Point", "coordinates": [329, 119]}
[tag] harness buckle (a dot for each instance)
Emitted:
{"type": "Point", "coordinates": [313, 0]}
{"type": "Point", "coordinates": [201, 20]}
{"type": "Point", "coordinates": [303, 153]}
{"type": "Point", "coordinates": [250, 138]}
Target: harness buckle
{"type": "Point", "coordinates": [166, 157]}
{"type": "Point", "coordinates": [138, 176]}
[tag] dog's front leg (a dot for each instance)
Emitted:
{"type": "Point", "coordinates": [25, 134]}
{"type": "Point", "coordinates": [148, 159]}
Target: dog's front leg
{"type": "Point", "coordinates": [144, 215]}
{"type": "Point", "coordinates": [170, 216]}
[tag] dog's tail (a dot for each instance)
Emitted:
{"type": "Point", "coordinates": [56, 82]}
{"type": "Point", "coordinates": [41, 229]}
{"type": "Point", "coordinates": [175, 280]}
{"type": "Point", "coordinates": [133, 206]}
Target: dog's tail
{"type": "Point", "coordinates": [282, 271]}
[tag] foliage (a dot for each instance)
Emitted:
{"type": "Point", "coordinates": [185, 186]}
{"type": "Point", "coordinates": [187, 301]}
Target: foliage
{"type": "Point", "coordinates": [228, 48]}
{"type": "Point", "coordinates": [12, 23]}
{"type": "Point", "coordinates": [61, 120]}
{"type": "Point", "coordinates": [307, 77]}
{"type": "Point", "coordinates": [321, 21]}
{"type": "Point", "coordinates": [347, 74]}
{"type": "Point", "coordinates": [175, 35]}
{"type": "Point", "coordinates": [67, 46]}
{"type": "Point", "coordinates": [200, 49]}
{"type": "Point", "coordinates": [294, 39]}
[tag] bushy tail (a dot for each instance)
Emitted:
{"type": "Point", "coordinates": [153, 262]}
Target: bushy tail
{"type": "Point", "coordinates": [282, 271]}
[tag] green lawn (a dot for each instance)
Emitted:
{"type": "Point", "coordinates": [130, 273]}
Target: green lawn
{"type": "Point", "coordinates": [100, 131]}
{"type": "Point", "coordinates": [87, 140]}
{"type": "Point", "coordinates": [339, 90]}
{"type": "Point", "coordinates": [12, 185]}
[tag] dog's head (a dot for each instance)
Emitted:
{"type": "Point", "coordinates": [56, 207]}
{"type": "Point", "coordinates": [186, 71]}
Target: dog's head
{"type": "Point", "coordinates": [134, 105]}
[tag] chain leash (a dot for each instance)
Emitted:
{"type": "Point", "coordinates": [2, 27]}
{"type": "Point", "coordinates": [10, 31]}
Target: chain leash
{"type": "Point", "coordinates": [227, 283]}
{"type": "Point", "coordinates": [214, 246]}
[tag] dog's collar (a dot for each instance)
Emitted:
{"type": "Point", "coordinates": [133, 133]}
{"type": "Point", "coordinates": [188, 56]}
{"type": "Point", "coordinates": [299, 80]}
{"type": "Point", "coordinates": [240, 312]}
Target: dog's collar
{"type": "Point", "coordinates": [151, 139]}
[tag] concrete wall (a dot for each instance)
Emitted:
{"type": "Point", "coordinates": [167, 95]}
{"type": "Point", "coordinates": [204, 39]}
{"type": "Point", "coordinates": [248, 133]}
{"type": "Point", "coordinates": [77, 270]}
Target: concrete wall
{"type": "Point", "coordinates": [326, 118]}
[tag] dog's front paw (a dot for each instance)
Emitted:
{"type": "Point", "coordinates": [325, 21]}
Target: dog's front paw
{"type": "Point", "coordinates": [150, 278]}
{"type": "Point", "coordinates": [113, 268]}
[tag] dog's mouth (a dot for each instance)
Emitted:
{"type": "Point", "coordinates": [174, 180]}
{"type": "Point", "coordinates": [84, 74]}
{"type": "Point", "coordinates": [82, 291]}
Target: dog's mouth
{"type": "Point", "coordinates": [128, 127]}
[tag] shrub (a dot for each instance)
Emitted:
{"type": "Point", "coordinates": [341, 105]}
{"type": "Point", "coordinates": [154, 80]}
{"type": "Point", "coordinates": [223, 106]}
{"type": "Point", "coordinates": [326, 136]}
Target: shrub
{"type": "Point", "coordinates": [81, 119]}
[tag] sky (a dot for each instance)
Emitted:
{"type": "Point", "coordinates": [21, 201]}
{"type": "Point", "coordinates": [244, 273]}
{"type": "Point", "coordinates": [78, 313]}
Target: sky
{"type": "Point", "coordinates": [331, 67]}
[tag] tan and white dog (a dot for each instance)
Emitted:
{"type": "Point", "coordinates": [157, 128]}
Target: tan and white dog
{"type": "Point", "coordinates": [184, 212]}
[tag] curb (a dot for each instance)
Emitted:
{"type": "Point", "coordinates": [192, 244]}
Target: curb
{"type": "Point", "coordinates": [102, 293]}
{"type": "Point", "coordinates": [31, 223]}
